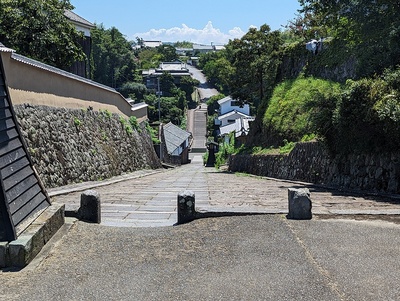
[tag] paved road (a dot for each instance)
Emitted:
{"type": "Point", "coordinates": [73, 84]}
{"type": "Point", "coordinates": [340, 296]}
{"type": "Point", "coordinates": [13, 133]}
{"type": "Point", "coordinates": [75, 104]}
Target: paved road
{"type": "Point", "coordinates": [205, 90]}
{"type": "Point", "coordinates": [197, 118]}
{"type": "Point", "coordinates": [144, 201]}
{"type": "Point", "coordinates": [346, 256]}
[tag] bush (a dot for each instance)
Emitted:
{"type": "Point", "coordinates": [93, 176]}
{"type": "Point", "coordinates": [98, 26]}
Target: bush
{"type": "Point", "coordinates": [153, 134]}
{"type": "Point", "coordinates": [134, 123]}
{"type": "Point", "coordinates": [225, 150]}
{"type": "Point", "coordinates": [367, 118]}
{"type": "Point", "coordinates": [133, 90]}
{"type": "Point", "coordinates": [289, 114]}
{"type": "Point", "coordinates": [364, 117]}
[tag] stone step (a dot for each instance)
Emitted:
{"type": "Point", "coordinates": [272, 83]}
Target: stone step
{"type": "Point", "coordinates": [198, 150]}
{"type": "Point", "coordinates": [18, 253]}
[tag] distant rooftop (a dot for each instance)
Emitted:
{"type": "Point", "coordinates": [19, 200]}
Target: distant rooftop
{"type": "Point", "coordinates": [175, 68]}
{"type": "Point", "coordinates": [78, 19]}
{"type": "Point", "coordinates": [224, 100]}
{"type": "Point", "coordinates": [202, 47]}
{"type": "Point", "coordinates": [172, 66]}
{"type": "Point", "coordinates": [152, 44]}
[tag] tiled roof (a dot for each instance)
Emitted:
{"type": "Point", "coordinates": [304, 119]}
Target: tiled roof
{"type": "Point", "coordinates": [5, 49]}
{"type": "Point", "coordinates": [139, 105]}
{"type": "Point", "coordinates": [202, 47]}
{"type": "Point", "coordinates": [78, 19]}
{"type": "Point", "coordinates": [225, 99]}
{"type": "Point", "coordinates": [232, 113]}
{"type": "Point", "coordinates": [174, 137]}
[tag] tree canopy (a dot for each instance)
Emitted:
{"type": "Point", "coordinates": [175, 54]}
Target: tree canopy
{"type": "Point", "coordinates": [248, 68]}
{"type": "Point", "coordinates": [255, 58]}
{"type": "Point", "coordinates": [183, 44]}
{"type": "Point", "coordinates": [369, 29]}
{"type": "Point", "coordinates": [38, 29]}
{"type": "Point", "coordinates": [113, 58]}
{"type": "Point", "coordinates": [168, 53]}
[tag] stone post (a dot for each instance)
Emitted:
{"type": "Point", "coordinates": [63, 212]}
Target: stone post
{"type": "Point", "coordinates": [186, 207]}
{"type": "Point", "coordinates": [299, 204]}
{"type": "Point", "coordinates": [90, 210]}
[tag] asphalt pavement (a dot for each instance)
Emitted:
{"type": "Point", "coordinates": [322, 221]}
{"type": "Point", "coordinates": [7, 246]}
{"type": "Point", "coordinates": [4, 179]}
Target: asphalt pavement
{"type": "Point", "coordinates": [265, 257]}
{"type": "Point", "coordinates": [205, 89]}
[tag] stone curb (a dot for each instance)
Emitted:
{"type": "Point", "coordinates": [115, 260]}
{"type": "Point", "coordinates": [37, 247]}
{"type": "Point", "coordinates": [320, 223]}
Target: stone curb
{"type": "Point", "coordinates": [20, 252]}
{"type": "Point", "coordinates": [202, 213]}
{"type": "Point", "coordinates": [327, 187]}
{"type": "Point", "coordinates": [90, 185]}
{"type": "Point", "coordinates": [338, 212]}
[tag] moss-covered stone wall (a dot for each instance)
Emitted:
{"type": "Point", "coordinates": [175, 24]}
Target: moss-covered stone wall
{"type": "Point", "coordinates": [76, 145]}
{"type": "Point", "coordinates": [310, 162]}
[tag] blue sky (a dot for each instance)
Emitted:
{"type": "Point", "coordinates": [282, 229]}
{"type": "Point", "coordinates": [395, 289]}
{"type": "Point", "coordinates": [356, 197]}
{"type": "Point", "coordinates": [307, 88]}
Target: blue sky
{"type": "Point", "coordinates": [200, 21]}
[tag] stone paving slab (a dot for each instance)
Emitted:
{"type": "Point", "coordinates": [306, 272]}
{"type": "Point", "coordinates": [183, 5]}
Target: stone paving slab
{"type": "Point", "coordinates": [150, 198]}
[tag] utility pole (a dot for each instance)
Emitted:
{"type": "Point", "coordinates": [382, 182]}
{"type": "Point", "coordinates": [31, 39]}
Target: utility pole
{"type": "Point", "coordinates": [159, 93]}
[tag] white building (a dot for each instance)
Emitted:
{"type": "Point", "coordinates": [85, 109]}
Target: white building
{"type": "Point", "coordinates": [229, 118]}
{"type": "Point", "coordinates": [233, 117]}
{"type": "Point", "coordinates": [227, 104]}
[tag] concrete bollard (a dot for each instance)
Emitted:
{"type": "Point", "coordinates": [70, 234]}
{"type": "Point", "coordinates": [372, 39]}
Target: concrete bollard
{"type": "Point", "coordinates": [186, 207]}
{"type": "Point", "coordinates": [90, 210]}
{"type": "Point", "coordinates": [299, 204]}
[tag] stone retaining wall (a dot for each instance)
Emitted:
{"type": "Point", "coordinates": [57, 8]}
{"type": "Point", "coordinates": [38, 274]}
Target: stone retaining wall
{"type": "Point", "coordinates": [310, 162]}
{"type": "Point", "coordinates": [76, 145]}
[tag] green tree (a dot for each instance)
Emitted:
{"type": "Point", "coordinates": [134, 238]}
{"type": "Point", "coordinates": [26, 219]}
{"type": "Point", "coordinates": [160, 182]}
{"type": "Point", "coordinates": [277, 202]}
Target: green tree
{"type": "Point", "coordinates": [218, 69]}
{"type": "Point", "coordinates": [169, 109]}
{"type": "Point", "coordinates": [113, 57]}
{"type": "Point", "coordinates": [169, 89]}
{"type": "Point", "coordinates": [210, 56]}
{"type": "Point", "coordinates": [167, 84]}
{"type": "Point", "coordinates": [370, 29]}
{"type": "Point", "coordinates": [255, 58]}
{"type": "Point", "coordinates": [133, 90]}
{"type": "Point", "coordinates": [168, 53]}
{"type": "Point", "coordinates": [219, 72]}
{"type": "Point", "coordinates": [39, 30]}
{"type": "Point", "coordinates": [183, 44]}
{"type": "Point", "coordinates": [187, 85]}
{"type": "Point", "coordinates": [148, 58]}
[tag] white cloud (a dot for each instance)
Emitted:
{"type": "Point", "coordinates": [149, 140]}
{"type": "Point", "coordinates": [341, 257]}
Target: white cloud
{"type": "Point", "coordinates": [207, 35]}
